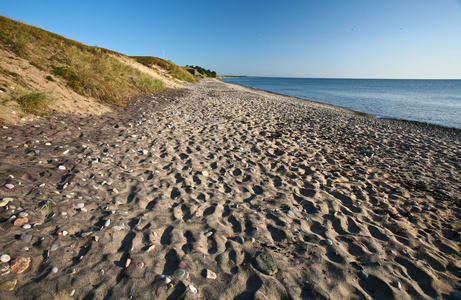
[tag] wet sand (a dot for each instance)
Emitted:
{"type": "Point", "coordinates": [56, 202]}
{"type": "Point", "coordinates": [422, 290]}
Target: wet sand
{"type": "Point", "coordinates": [175, 196]}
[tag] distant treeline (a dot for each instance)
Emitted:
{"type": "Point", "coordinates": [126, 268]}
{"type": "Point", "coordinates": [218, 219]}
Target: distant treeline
{"type": "Point", "coordinates": [203, 71]}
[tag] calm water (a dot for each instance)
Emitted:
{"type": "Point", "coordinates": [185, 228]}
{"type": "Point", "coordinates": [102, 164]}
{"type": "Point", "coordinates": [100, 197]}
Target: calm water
{"type": "Point", "coordinates": [430, 101]}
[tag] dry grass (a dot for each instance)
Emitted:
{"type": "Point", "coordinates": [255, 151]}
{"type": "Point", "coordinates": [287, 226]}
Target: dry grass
{"type": "Point", "coordinates": [36, 103]}
{"type": "Point", "coordinates": [174, 70]}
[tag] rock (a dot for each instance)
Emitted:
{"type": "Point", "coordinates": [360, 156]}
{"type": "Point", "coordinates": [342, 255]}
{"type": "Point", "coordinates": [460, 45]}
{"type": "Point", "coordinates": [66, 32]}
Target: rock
{"type": "Point", "coordinates": [165, 278]}
{"type": "Point", "coordinates": [363, 275]}
{"type": "Point", "coordinates": [107, 223]}
{"type": "Point", "coordinates": [290, 213]}
{"type": "Point", "coordinates": [80, 205]}
{"type": "Point", "coordinates": [26, 226]}
{"type": "Point", "coordinates": [328, 242]}
{"type": "Point", "coordinates": [54, 247]}
{"type": "Point", "coordinates": [62, 167]}
{"type": "Point", "coordinates": [265, 263]}
{"type": "Point", "coordinates": [193, 289]}
{"type": "Point", "coordinates": [182, 264]}
{"type": "Point", "coordinates": [23, 214]}
{"type": "Point", "coordinates": [210, 274]}
{"type": "Point", "coordinates": [26, 238]}
{"type": "Point", "coordinates": [240, 239]}
{"type": "Point", "coordinates": [19, 264]}
{"type": "Point", "coordinates": [5, 258]}
{"type": "Point", "coordinates": [181, 273]}
{"type": "Point", "coordinates": [54, 270]}
{"type": "Point", "coordinates": [205, 173]}
{"type": "Point", "coordinates": [3, 203]}
{"type": "Point", "coordinates": [8, 285]}
{"type": "Point", "coordinates": [127, 263]}
{"type": "Point", "coordinates": [9, 186]}
{"type": "Point", "coordinates": [20, 221]}
{"type": "Point", "coordinates": [151, 248]}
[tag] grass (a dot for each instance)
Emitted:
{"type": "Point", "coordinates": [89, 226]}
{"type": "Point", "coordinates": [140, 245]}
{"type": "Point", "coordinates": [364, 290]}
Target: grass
{"type": "Point", "coordinates": [89, 71]}
{"type": "Point", "coordinates": [36, 103]}
{"type": "Point", "coordinates": [47, 202]}
{"type": "Point", "coordinates": [174, 70]}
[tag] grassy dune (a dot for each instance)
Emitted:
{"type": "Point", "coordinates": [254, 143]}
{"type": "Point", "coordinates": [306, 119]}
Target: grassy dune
{"type": "Point", "coordinates": [89, 71]}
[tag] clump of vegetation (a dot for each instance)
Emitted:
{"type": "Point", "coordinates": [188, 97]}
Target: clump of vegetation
{"type": "Point", "coordinates": [204, 72]}
{"type": "Point", "coordinates": [173, 69]}
{"type": "Point", "coordinates": [89, 71]}
{"type": "Point", "coordinates": [47, 202]}
{"type": "Point", "coordinates": [36, 103]}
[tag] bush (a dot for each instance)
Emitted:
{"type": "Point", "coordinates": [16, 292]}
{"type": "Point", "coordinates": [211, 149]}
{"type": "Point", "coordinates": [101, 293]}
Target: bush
{"type": "Point", "coordinates": [36, 103]}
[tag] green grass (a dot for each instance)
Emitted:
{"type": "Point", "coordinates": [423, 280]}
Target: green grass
{"type": "Point", "coordinates": [89, 71]}
{"type": "Point", "coordinates": [36, 103]}
{"type": "Point", "coordinates": [45, 208]}
{"type": "Point", "coordinates": [174, 70]}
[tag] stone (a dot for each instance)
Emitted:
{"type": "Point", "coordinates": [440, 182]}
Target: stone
{"type": "Point", "coordinates": [165, 278]}
{"type": "Point", "coordinates": [26, 238]}
{"type": "Point", "coordinates": [181, 273]}
{"type": "Point", "coordinates": [80, 205]}
{"type": "Point", "coordinates": [54, 270]}
{"type": "Point", "coordinates": [363, 275]}
{"type": "Point", "coordinates": [9, 186]}
{"type": "Point", "coordinates": [210, 274]}
{"type": "Point", "coordinates": [26, 226]}
{"type": "Point", "coordinates": [328, 242]}
{"type": "Point", "coordinates": [290, 213]}
{"type": "Point", "coordinates": [54, 247]}
{"type": "Point", "coordinates": [19, 264]}
{"type": "Point", "coordinates": [240, 239]}
{"type": "Point", "coordinates": [62, 167]}
{"type": "Point", "coordinates": [3, 203]}
{"type": "Point", "coordinates": [5, 258]}
{"type": "Point", "coordinates": [205, 173]}
{"type": "Point", "coordinates": [193, 289]}
{"type": "Point", "coordinates": [264, 262]}
{"type": "Point", "coordinates": [8, 285]}
{"type": "Point", "coordinates": [20, 221]}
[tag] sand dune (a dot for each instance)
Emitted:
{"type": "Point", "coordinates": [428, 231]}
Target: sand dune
{"type": "Point", "coordinates": [156, 201]}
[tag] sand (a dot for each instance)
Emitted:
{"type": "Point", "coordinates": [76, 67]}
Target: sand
{"type": "Point", "coordinates": [193, 184]}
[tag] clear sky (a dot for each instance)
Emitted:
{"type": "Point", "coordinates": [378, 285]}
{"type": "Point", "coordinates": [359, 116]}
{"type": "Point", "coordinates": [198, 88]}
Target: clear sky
{"type": "Point", "coordinates": [289, 38]}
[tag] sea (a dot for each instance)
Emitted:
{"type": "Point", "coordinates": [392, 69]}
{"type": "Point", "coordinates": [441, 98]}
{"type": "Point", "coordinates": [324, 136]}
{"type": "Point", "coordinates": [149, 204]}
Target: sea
{"type": "Point", "coordinates": [429, 101]}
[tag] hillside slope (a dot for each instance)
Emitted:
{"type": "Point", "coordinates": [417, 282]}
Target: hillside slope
{"type": "Point", "coordinates": [43, 70]}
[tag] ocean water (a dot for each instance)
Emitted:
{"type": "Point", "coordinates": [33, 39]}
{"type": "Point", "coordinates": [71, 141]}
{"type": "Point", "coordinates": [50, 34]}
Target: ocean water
{"type": "Point", "coordinates": [429, 101]}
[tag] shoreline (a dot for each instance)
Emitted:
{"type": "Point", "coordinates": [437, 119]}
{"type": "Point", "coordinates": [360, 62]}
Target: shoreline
{"type": "Point", "coordinates": [457, 131]}
{"type": "Point", "coordinates": [178, 194]}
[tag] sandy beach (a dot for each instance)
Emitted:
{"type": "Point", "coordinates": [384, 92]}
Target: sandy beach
{"type": "Point", "coordinates": [188, 193]}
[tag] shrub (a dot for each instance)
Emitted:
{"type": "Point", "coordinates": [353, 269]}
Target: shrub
{"type": "Point", "coordinates": [36, 103]}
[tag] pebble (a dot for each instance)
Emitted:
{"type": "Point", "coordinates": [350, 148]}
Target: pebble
{"type": "Point", "coordinates": [328, 242]}
{"type": "Point", "coordinates": [165, 278]}
{"type": "Point", "coordinates": [26, 226]}
{"type": "Point", "coordinates": [26, 238]}
{"type": "Point", "coordinates": [23, 214]}
{"type": "Point", "coordinates": [66, 151]}
{"type": "Point", "coordinates": [62, 167]}
{"type": "Point", "coordinates": [290, 213]}
{"type": "Point", "coordinates": [5, 258]}
{"type": "Point", "coordinates": [54, 247]}
{"type": "Point", "coordinates": [208, 234]}
{"type": "Point", "coordinates": [193, 289]}
{"type": "Point", "coordinates": [9, 186]}
{"type": "Point", "coordinates": [54, 270]}
{"type": "Point", "coordinates": [20, 221]}
{"type": "Point", "coordinates": [181, 273]}
{"type": "Point", "coordinates": [8, 199]}
{"type": "Point", "coordinates": [80, 205]}
{"type": "Point", "coordinates": [210, 274]}
{"type": "Point", "coordinates": [363, 275]}
{"type": "Point", "coordinates": [205, 173]}
{"type": "Point", "coordinates": [265, 263]}
{"type": "Point", "coordinates": [8, 285]}
{"type": "Point", "coordinates": [3, 203]}
{"type": "Point", "coordinates": [398, 285]}
{"type": "Point", "coordinates": [240, 239]}
{"type": "Point", "coordinates": [19, 264]}
{"type": "Point", "coordinates": [151, 248]}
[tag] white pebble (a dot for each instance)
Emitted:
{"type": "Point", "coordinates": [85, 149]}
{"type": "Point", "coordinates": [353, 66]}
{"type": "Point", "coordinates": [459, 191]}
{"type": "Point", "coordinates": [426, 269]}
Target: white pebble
{"type": "Point", "coordinates": [328, 242]}
{"type": "Point", "coordinates": [193, 289]}
{"type": "Point", "coordinates": [9, 186]}
{"type": "Point", "coordinates": [5, 258]}
{"type": "Point", "coordinates": [54, 270]}
{"type": "Point", "coordinates": [62, 167]}
{"type": "Point", "coordinates": [26, 226]}
{"type": "Point", "coordinates": [80, 205]}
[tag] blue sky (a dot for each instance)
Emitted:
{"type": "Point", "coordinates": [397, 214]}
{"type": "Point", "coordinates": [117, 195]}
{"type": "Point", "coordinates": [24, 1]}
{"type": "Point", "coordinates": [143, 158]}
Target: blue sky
{"type": "Point", "coordinates": [293, 38]}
